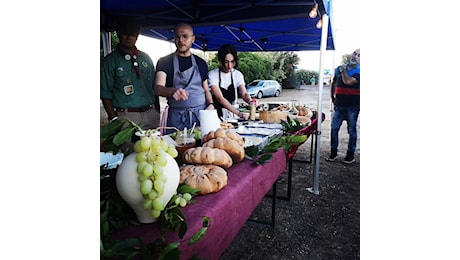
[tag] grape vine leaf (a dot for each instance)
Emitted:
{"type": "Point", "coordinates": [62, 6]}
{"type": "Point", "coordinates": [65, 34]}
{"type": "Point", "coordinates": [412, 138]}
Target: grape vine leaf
{"type": "Point", "coordinates": [124, 135]}
{"type": "Point", "coordinates": [171, 251]}
{"type": "Point", "coordinates": [198, 235]}
{"type": "Point", "coordinates": [111, 129]}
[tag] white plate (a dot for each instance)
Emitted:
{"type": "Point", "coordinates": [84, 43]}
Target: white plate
{"type": "Point", "coordinates": [254, 140]}
{"type": "Point", "coordinates": [112, 160]}
{"type": "Point", "coordinates": [256, 130]}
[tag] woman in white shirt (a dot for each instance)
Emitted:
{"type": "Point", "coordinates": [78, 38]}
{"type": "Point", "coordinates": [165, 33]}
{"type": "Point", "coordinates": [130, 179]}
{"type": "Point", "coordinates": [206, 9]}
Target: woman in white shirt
{"type": "Point", "coordinates": [225, 83]}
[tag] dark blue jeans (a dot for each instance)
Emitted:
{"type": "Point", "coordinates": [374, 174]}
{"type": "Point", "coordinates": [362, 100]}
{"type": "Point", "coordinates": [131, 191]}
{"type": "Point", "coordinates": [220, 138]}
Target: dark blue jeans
{"type": "Point", "coordinates": [350, 115]}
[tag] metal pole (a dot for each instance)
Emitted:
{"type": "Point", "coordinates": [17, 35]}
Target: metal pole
{"type": "Point", "coordinates": [319, 114]}
{"type": "Point", "coordinates": [331, 105]}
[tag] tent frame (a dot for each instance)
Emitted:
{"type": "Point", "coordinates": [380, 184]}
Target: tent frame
{"type": "Point", "coordinates": [153, 31]}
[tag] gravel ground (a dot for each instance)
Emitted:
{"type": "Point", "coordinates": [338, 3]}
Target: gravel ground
{"type": "Point", "coordinates": [309, 226]}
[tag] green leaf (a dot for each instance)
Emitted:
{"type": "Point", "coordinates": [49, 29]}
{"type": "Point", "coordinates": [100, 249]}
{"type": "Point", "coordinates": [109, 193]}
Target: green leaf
{"type": "Point", "coordinates": [284, 124]}
{"type": "Point", "coordinates": [178, 212]}
{"type": "Point", "coordinates": [298, 139]}
{"type": "Point", "coordinates": [172, 218]}
{"type": "Point", "coordinates": [264, 158]}
{"type": "Point", "coordinates": [297, 122]}
{"type": "Point", "coordinates": [177, 216]}
{"type": "Point", "coordinates": [109, 146]}
{"type": "Point", "coordinates": [206, 221]}
{"type": "Point", "coordinates": [273, 145]}
{"type": "Point", "coordinates": [124, 135]}
{"type": "Point", "coordinates": [124, 244]}
{"type": "Point", "coordinates": [271, 148]}
{"type": "Point", "coordinates": [251, 152]}
{"type": "Point", "coordinates": [182, 229]}
{"type": "Point", "coordinates": [197, 236]}
{"type": "Point", "coordinates": [171, 251]}
{"type": "Point", "coordinates": [111, 128]}
{"type": "Point", "coordinates": [129, 254]}
{"type": "Point", "coordinates": [105, 228]}
{"type": "Point", "coordinates": [184, 188]}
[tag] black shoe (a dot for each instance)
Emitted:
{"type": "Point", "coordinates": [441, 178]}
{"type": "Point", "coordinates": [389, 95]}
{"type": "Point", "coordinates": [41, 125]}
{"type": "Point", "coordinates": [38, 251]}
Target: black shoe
{"type": "Point", "coordinates": [350, 158]}
{"type": "Point", "coordinates": [332, 157]}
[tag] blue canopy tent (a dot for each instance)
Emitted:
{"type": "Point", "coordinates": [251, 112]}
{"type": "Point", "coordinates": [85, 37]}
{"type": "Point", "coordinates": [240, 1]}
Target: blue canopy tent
{"type": "Point", "coordinates": [250, 25]}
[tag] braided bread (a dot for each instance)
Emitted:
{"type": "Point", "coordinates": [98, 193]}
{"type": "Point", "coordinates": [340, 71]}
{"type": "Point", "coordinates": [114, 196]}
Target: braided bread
{"type": "Point", "coordinates": [207, 178]}
{"type": "Point", "coordinates": [208, 155]}
{"type": "Point", "coordinates": [223, 133]}
{"type": "Point", "coordinates": [235, 150]}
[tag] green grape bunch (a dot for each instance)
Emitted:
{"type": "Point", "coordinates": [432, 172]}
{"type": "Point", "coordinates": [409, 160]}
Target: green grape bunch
{"type": "Point", "coordinates": [151, 160]}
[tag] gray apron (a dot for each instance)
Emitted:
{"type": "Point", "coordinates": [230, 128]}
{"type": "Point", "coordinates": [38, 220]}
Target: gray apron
{"type": "Point", "coordinates": [185, 113]}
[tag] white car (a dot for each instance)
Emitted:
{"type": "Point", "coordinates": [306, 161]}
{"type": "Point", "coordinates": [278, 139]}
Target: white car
{"type": "Point", "coordinates": [264, 88]}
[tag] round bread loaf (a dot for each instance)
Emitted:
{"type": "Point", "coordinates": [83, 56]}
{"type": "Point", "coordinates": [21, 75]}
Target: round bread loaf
{"type": "Point", "coordinates": [208, 155]}
{"type": "Point", "coordinates": [207, 178]}
{"type": "Point", "coordinates": [235, 150]}
{"type": "Point", "coordinates": [223, 133]}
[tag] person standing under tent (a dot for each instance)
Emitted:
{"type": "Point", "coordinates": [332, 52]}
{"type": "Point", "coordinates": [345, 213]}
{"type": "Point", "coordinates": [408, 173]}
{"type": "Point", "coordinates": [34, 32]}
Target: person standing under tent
{"type": "Point", "coordinates": [127, 77]}
{"type": "Point", "coordinates": [345, 95]}
{"type": "Point", "coordinates": [225, 83]}
{"type": "Point", "coordinates": [182, 77]}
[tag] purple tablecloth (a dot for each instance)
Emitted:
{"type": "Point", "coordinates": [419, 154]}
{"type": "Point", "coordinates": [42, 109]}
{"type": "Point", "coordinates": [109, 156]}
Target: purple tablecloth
{"type": "Point", "coordinates": [227, 209]}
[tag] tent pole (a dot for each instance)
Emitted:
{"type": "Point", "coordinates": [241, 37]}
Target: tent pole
{"type": "Point", "coordinates": [319, 114]}
{"type": "Point", "coordinates": [331, 105]}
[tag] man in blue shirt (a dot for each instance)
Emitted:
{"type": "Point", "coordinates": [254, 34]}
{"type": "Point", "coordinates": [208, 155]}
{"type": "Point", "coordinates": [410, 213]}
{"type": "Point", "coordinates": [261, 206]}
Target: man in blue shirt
{"type": "Point", "coordinates": [345, 96]}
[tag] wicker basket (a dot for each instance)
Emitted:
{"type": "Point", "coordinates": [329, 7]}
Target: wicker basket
{"type": "Point", "coordinates": [271, 117]}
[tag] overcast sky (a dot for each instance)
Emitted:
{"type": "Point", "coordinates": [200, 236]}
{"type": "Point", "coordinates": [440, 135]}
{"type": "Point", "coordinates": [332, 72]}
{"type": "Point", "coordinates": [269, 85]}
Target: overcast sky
{"type": "Point", "coordinates": [345, 22]}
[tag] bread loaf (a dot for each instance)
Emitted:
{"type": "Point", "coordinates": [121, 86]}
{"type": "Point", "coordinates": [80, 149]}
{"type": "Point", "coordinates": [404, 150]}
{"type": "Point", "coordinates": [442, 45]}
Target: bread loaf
{"type": "Point", "coordinates": [235, 150]}
{"type": "Point", "coordinates": [207, 178]}
{"type": "Point", "coordinates": [223, 133]}
{"type": "Point", "coordinates": [304, 111]}
{"type": "Point", "coordinates": [225, 125]}
{"type": "Point", "coordinates": [208, 155]}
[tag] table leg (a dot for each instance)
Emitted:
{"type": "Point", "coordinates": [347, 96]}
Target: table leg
{"type": "Point", "coordinates": [311, 153]}
{"type": "Point", "coordinates": [288, 196]}
{"type": "Point", "coordinates": [273, 214]}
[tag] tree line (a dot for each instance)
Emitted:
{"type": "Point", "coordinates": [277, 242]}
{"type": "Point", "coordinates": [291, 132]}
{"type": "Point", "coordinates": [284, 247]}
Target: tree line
{"type": "Point", "coordinates": [279, 66]}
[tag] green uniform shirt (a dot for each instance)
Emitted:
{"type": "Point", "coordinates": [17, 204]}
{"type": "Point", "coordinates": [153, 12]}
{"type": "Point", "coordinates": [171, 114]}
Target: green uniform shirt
{"type": "Point", "coordinates": [120, 82]}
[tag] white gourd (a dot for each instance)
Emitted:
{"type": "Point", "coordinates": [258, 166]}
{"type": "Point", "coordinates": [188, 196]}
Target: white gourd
{"type": "Point", "coordinates": [128, 185]}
